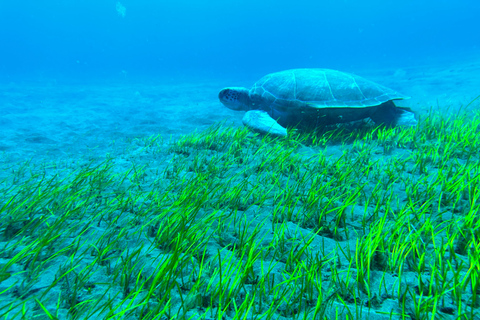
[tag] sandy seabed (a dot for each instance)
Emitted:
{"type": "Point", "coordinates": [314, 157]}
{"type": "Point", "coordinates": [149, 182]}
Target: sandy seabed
{"type": "Point", "coordinates": [47, 118]}
{"type": "Point", "coordinates": [49, 126]}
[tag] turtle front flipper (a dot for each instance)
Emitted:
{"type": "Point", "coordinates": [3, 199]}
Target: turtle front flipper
{"type": "Point", "coordinates": [260, 122]}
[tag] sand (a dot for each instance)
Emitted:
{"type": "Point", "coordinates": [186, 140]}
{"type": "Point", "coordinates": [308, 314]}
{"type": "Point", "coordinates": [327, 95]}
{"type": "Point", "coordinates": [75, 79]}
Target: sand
{"type": "Point", "coordinates": [57, 122]}
{"type": "Point", "coordinates": [51, 117]}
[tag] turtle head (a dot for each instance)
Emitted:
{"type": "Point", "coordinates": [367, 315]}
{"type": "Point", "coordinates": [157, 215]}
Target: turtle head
{"type": "Point", "coordinates": [235, 98]}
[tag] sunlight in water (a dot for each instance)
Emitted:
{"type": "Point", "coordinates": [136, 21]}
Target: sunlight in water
{"type": "Point", "coordinates": [121, 10]}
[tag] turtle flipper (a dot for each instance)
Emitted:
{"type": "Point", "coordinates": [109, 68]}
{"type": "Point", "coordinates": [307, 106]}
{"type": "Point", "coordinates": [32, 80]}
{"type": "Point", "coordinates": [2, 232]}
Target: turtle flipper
{"type": "Point", "coordinates": [405, 118]}
{"type": "Point", "coordinates": [261, 122]}
{"type": "Point", "coordinates": [391, 116]}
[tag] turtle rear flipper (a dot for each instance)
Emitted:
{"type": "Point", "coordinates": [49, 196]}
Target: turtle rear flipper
{"type": "Point", "coordinates": [392, 116]}
{"type": "Point", "coordinates": [405, 118]}
{"type": "Point", "coordinates": [260, 122]}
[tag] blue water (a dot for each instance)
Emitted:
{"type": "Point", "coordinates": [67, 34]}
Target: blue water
{"type": "Point", "coordinates": [102, 38]}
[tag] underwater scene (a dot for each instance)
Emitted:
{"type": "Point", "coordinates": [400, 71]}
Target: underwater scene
{"type": "Point", "coordinates": [239, 160]}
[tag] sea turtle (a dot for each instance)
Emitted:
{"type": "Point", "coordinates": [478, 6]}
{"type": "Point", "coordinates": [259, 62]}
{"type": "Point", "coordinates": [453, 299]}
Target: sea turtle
{"type": "Point", "coordinates": [314, 98]}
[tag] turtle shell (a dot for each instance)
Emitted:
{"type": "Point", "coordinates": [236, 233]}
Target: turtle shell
{"type": "Point", "coordinates": [319, 89]}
